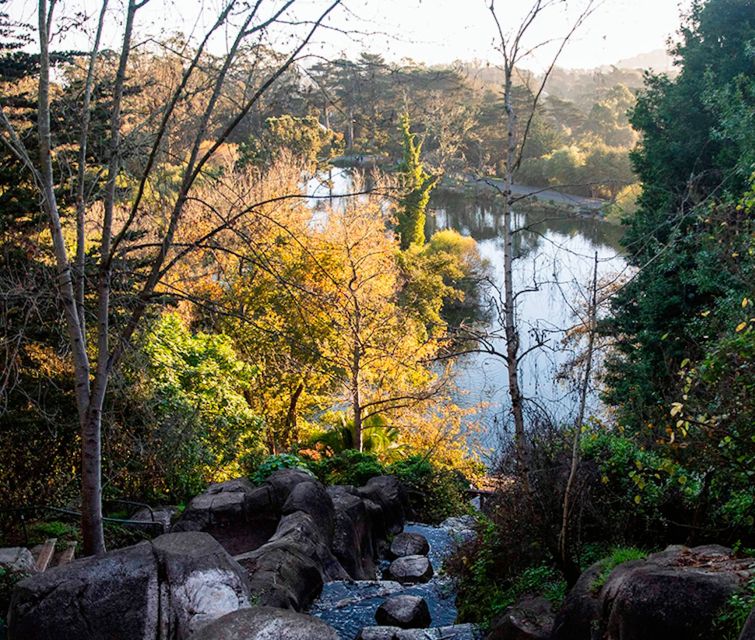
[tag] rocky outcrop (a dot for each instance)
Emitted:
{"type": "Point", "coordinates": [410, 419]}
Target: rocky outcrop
{"type": "Point", "coordinates": [166, 589]}
{"type": "Point", "coordinates": [531, 618]}
{"type": "Point", "coordinates": [323, 535]}
{"type": "Point", "coordinates": [266, 623]}
{"type": "Point", "coordinates": [671, 595]}
{"type": "Point", "coordinates": [409, 544]}
{"type": "Point", "coordinates": [388, 493]}
{"type": "Point", "coordinates": [404, 611]}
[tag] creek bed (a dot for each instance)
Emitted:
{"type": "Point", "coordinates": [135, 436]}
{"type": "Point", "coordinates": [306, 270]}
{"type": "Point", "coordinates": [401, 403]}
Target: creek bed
{"type": "Point", "coordinates": [349, 605]}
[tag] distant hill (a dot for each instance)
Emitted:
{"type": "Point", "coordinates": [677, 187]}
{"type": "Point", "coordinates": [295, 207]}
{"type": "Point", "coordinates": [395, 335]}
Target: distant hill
{"type": "Point", "coordinates": [658, 60]}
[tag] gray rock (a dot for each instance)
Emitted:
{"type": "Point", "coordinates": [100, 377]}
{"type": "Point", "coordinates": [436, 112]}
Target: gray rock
{"type": "Point", "coordinates": [265, 623]}
{"type": "Point", "coordinates": [404, 611]}
{"type": "Point", "coordinates": [283, 482]}
{"type": "Point", "coordinates": [748, 631]}
{"type": "Point", "coordinates": [531, 618]}
{"type": "Point", "coordinates": [17, 560]}
{"type": "Point", "coordinates": [115, 596]}
{"type": "Point", "coordinates": [352, 538]}
{"type": "Point", "coordinates": [224, 503]}
{"type": "Point", "coordinates": [312, 499]}
{"type": "Point", "coordinates": [455, 632]}
{"type": "Point", "coordinates": [199, 582]}
{"type": "Point", "coordinates": [671, 595]}
{"type": "Point", "coordinates": [388, 492]}
{"type": "Point", "coordinates": [409, 544]}
{"type": "Point", "coordinates": [411, 569]}
{"type": "Point", "coordinates": [161, 515]}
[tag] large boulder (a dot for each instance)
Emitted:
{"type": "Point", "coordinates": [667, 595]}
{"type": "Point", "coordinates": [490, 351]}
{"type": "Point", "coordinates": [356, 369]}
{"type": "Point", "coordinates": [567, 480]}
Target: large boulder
{"type": "Point", "coordinates": [353, 544]}
{"type": "Point", "coordinates": [115, 596]}
{"type": "Point", "coordinates": [409, 544]}
{"type": "Point", "coordinates": [410, 570]}
{"type": "Point", "coordinates": [283, 481]}
{"type": "Point", "coordinates": [388, 492]}
{"type": "Point", "coordinates": [266, 623]}
{"type": "Point", "coordinates": [748, 631]}
{"type": "Point", "coordinates": [531, 618]}
{"type": "Point", "coordinates": [312, 499]}
{"type": "Point", "coordinates": [199, 582]}
{"type": "Point", "coordinates": [164, 590]}
{"type": "Point", "coordinates": [576, 619]}
{"type": "Point", "coordinates": [221, 504]}
{"type": "Point", "coordinates": [672, 595]}
{"type": "Point", "coordinates": [282, 575]}
{"type": "Point", "coordinates": [404, 611]}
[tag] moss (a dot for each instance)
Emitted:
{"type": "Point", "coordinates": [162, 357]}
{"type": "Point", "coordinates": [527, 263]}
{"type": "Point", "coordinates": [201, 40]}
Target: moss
{"type": "Point", "coordinates": [619, 555]}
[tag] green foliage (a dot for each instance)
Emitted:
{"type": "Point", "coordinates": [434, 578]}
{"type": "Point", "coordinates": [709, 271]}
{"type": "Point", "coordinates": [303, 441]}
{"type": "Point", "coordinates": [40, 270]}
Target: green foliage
{"type": "Point", "coordinates": [8, 580]}
{"type": "Point", "coordinates": [278, 461]}
{"type": "Point", "coordinates": [731, 618]}
{"type": "Point", "coordinates": [348, 467]}
{"type": "Point", "coordinates": [417, 185]}
{"type": "Point", "coordinates": [188, 408]}
{"type": "Point", "coordinates": [619, 555]}
{"type": "Point", "coordinates": [434, 493]}
{"type": "Point", "coordinates": [304, 138]}
{"type": "Point", "coordinates": [485, 590]}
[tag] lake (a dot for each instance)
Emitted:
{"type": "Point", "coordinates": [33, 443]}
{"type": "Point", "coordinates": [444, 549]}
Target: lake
{"type": "Point", "coordinates": [555, 255]}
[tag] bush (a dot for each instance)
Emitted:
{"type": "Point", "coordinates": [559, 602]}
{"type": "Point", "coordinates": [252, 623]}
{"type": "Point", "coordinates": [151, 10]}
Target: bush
{"type": "Point", "coordinates": [348, 467]}
{"type": "Point", "coordinates": [732, 617]}
{"type": "Point", "coordinates": [275, 462]}
{"type": "Point", "coordinates": [486, 589]}
{"type": "Point", "coordinates": [619, 555]}
{"type": "Point", "coordinates": [434, 493]}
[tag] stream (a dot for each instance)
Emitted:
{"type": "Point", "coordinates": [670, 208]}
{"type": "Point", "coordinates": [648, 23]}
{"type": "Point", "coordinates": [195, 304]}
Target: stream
{"type": "Point", "coordinates": [349, 606]}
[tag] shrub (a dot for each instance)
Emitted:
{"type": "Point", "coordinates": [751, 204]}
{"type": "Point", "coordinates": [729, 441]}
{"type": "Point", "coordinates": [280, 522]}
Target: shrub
{"type": "Point", "coordinates": [732, 617]}
{"type": "Point", "coordinates": [434, 493]}
{"type": "Point", "coordinates": [348, 467]}
{"type": "Point", "coordinates": [275, 462]}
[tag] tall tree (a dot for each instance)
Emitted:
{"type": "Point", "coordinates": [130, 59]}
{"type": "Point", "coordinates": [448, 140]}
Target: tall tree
{"type": "Point", "coordinates": [513, 46]}
{"type": "Point", "coordinates": [95, 353]}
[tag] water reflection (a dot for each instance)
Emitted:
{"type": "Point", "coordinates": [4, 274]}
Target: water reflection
{"type": "Point", "coordinates": [554, 260]}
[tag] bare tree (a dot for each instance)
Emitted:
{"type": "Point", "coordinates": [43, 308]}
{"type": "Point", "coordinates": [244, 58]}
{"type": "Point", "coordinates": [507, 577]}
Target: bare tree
{"type": "Point", "coordinates": [95, 357]}
{"type": "Point", "coordinates": [514, 48]}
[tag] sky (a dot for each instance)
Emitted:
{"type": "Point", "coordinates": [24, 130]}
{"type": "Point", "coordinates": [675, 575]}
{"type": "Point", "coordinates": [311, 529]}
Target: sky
{"type": "Point", "coordinates": [429, 31]}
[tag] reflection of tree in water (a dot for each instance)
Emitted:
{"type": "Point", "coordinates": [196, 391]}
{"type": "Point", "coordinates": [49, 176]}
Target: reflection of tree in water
{"type": "Point", "coordinates": [481, 218]}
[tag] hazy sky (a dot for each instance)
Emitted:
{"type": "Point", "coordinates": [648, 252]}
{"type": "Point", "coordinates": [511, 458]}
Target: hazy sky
{"type": "Point", "coordinates": [433, 31]}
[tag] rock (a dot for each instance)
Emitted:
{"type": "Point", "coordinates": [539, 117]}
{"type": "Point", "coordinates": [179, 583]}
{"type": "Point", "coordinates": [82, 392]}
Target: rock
{"type": "Point", "coordinates": [531, 618]}
{"type": "Point", "coordinates": [352, 537]}
{"type": "Point", "coordinates": [224, 503]}
{"type": "Point", "coordinates": [17, 560]}
{"type": "Point", "coordinates": [312, 499]}
{"type": "Point", "coordinates": [581, 607]}
{"type": "Point", "coordinates": [266, 623]}
{"type": "Point", "coordinates": [200, 581]}
{"type": "Point", "coordinates": [282, 575]}
{"type": "Point", "coordinates": [411, 569]}
{"type": "Point", "coordinates": [388, 492]}
{"type": "Point", "coordinates": [409, 544]}
{"type": "Point", "coordinates": [163, 516]}
{"type": "Point", "coordinates": [115, 596]}
{"type": "Point", "coordinates": [455, 632]}
{"type": "Point", "coordinates": [405, 611]}
{"type": "Point", "coordinates": [671, 595]}
{"type": "Point", "coordinates": [748, 631]}
{"type": "Point", "coordinates": [164, 590]}
{"type": "Point", "coordinates": [300, 530]}
{"type": "Point", "coordinates": [283, 482]}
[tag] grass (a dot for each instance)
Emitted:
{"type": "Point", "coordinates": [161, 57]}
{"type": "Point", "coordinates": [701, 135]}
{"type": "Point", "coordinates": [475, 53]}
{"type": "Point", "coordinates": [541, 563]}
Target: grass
{"type": "Point", "coordinates": [618, 555]}
{"type": "Point", "coordinates": [731, 618]}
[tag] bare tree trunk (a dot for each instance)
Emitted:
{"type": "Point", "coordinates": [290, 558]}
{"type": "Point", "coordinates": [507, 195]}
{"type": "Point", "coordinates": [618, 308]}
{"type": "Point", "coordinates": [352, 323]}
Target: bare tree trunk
{"type": "Point", "coordinates": [570, 567]}
{"type": "Point", "coordinates": [511, 331]}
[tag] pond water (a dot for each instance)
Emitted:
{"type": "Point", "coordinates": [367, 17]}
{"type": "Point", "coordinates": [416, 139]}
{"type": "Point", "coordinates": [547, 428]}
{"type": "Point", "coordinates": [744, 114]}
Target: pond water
{"type": "Point", "coordinates": [555, 257]}
{"type": "Point", "coordinates": [555, 261]}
